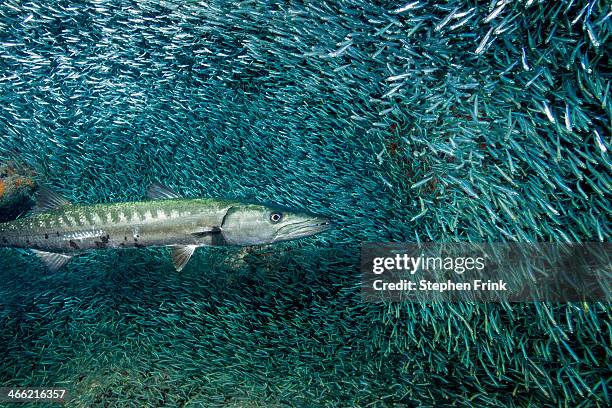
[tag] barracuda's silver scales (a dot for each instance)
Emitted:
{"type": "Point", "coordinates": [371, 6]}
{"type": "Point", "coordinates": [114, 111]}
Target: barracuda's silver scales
{"type": "Point", "coordinates": [57, 229]}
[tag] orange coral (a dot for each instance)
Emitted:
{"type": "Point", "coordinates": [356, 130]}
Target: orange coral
{"type": "Point", "coordinates": [24, 181]}
{"type": "Point", "coordinates": [1, 187]}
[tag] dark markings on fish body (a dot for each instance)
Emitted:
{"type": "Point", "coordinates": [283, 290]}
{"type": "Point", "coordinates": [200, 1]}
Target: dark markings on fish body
{"type": "Point", "coordinates": [137, 245]}
{"type": "Point", "coordinates": [57, 233]}
{"type": "Point", "coordinates": [100, 244]}
{"type": "Point", "coordinates": [103, 243]}
{"type": "Point", "coordinates": [46, 236]}
{"type": "Point", "coordinates": [125, 238]}
{"type": "Point", "coordinates": [73, 244]}
{"type": "Point", "coordinates": [4, 239]}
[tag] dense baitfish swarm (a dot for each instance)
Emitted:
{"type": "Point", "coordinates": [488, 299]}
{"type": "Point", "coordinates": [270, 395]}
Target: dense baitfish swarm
{"type": "Point", "coordinates": [418, 121]}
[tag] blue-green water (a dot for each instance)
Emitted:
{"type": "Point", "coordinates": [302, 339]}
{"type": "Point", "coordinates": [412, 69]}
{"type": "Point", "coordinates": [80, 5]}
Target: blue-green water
{"type": "Point", "coordinates": [418, 121]}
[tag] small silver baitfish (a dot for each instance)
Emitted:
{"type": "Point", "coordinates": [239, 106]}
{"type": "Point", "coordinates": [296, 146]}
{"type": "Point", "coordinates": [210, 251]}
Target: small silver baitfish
{"type": "Point", "coordinates": [58, 229]}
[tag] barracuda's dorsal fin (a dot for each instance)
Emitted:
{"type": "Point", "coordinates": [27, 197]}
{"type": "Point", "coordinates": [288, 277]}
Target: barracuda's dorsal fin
{"type": "Point", "coordinates": [48, 200]}
{"type": "Point", "coordinates": [181, 255]}
{"type": "Point", "coordinates": [158, 191]}
{"type": "Point", "coordinates": [54, 261]}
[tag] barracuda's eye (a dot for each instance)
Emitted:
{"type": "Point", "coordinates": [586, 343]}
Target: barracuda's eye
{"type": "Point", "coordinates": [276, 217]}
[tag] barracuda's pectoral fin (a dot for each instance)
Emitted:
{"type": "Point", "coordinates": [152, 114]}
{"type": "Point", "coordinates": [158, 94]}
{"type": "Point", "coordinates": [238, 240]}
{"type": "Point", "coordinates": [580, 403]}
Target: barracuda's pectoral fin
{"type": "Point", "coordinates": [52, 260]}
{"type": "Point", "coordinates": [207, 230]}
{"type": "Point", "coordinates": [181, 254]}
{"type": "Point", "coordinates": [215, 234]}
{"type": "Point", "coordinates": [48, 200]}
{"type": "Point", "coordinates": [158, 191]}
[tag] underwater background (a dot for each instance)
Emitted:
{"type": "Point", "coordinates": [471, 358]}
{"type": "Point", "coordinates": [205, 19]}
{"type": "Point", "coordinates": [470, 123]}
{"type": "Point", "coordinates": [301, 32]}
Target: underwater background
{"type": "Point", "coordinates": [421, 121]}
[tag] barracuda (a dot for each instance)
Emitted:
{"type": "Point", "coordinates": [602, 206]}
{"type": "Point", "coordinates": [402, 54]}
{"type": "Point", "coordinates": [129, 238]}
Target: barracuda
{"type": "Point", "coordinates": [58, 229]}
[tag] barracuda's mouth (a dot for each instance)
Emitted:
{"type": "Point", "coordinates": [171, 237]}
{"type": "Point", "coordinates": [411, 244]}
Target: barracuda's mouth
{"type": "Point", "coordinates": [302, 229]}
